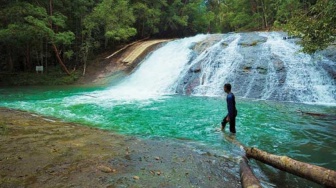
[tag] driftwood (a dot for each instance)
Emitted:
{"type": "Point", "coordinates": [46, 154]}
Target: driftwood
{"type": "Point", "coordinates": [311, 172]}
{"type": "Point", "coordinates": [248, 179]}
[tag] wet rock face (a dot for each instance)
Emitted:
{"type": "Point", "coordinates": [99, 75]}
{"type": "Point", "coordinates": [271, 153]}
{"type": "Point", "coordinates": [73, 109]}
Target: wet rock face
{"type": "Point", "coordinates": [251, 39]}
{"type": "Point", "coordinates": [330, 69]}
{"type": "Point", "coordinates": [329, 64]}
{"type": "Point", "coordinates": [252, 68]}
{"type": "Point", "coordinates": [203, 45]}
{"type": "Point", "coordinates": [190, 80]}
{"type": "Point", "coordinates": [330, 53]}
{"type": "Point", "coordinates": [258, 65]}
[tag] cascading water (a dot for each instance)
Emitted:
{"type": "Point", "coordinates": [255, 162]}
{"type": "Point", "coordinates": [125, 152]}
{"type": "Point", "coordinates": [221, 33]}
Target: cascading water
{"type": "Point", "coordinates": [216, 66]}
{"type": "Point", "coordinates": [155, 76]}
{"type": "Point", "coordinates": [258, 65]}
{"type": "Point", "coordinates": [160, 71]}
{"type": "Point", "coordinates": [306, 80]}
{"type": "Point", "coordinates": [265, 68]}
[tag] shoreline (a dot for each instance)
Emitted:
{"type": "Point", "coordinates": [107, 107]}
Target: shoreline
{"type": "Point", "coordinates": [40, 151]}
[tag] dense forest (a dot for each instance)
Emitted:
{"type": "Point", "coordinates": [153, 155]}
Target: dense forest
{"type": "Point", "coordinates": [65, 33]}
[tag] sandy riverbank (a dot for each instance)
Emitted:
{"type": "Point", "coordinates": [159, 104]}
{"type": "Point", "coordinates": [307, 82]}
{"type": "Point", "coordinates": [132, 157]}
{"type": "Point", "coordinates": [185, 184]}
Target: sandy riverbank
{"type": "Point", "coordinates": [37, 151]}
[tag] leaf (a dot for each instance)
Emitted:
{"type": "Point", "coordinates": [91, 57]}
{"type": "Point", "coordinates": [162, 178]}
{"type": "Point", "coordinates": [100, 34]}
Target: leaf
{"type": "Point", "coordinates": [64, 37]}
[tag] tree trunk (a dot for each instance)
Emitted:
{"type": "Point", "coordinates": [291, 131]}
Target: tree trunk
{"type": "Point", "coordinates": [247, 177]}
{"type": "Point", "coordinates": [53, 44]}
{"type": "Point", "coordinates": [106, 42]}
{"type": "Point", "coordinates": [10, 63]}
{"type": "Point", "coordinates": [46, 56]}
{"type": "Point", "coordinates": [254, 6]}
{"type": "Point", "coordinates": [85, 56]}
{"type": "Point", "coordinates": [84, 69]}
{"type": "Point", "coordinates": [143, 29]}
{"type": "Point", "coordinates": [51, 7]}
{"type": "Point", "coordinates": [59, 59]}
{"type": "Point", "coordinates": [311, 172]}
{"type": "Point", "coordinates": [264, 13]}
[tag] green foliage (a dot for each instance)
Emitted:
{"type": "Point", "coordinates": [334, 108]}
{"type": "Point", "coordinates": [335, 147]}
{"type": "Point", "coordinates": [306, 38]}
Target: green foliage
{"type": "Point", "coordinates": [81, 28]}
{"type": "Point", "coordinates": [286, 10]}
{"type": "Point", "coordinates": [173, 17]}
{"type": "Point", "coordinates": [316, 27]}
{"type": "Point", "coordinates": [115, 17]}
{"type": "Point", "coordinates": [65, 38]}
{"type": "Point", "coordinates": [68, 54]}
{"type": "Point", "coordinates": [236, 15]}
{"type": "Point", "coordinates": [121, 34]}
{"type": "Point", "coordinates": [18, 29]}
{"type": "Point", "coordinates": [243, 17]}
{"type": "Point", "coordinates": [199, 17]}
{"type": "Point", "coordinates": [25, 27]}
{"type": "Point", "coordinates": [148, 16]}
{"type": "Point", "coordinates": [58, 19]}
{"type": "Point", "coordinates": [54, 76]}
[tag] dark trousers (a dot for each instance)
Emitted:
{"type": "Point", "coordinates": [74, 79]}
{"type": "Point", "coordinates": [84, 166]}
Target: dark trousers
{"type": "Point", "coordinates": [232, 123]}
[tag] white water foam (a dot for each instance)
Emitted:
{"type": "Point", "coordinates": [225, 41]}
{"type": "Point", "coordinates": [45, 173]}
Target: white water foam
{"type": "Point", "coordinates": [162, 72]}
{"type": "Point", "coordinates": [162, 69]}
{"type": "Point", "coordinates": [217, 65]}
{"type": "Point", "coordinates": [305, 78]}
{"type": "Point", "coordinates": [152, 79]}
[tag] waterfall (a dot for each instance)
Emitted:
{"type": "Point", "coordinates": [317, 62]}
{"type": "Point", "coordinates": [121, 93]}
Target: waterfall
{"type": "Point", "coordinates": [161, 70]}
{"type": "Point", "coordinates": [306, 80]}
{"type": "Point", "coordinates": [259, 65]}
{"type": "Point", "coordinates": [153, 78]}
{"type": "Point", "coordinates": [217, 65]}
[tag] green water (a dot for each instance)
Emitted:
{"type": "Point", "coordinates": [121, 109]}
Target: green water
{"type": "Point", "coordinates": [276, 127]}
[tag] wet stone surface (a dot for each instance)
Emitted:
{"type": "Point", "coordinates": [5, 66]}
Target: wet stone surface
{"type": "Point", "coordinates": [43, 152]}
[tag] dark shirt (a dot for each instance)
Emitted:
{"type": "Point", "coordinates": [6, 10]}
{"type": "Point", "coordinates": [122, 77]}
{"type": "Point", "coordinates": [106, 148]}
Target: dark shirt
{"type": "Point", "coordinates": [231, 105]}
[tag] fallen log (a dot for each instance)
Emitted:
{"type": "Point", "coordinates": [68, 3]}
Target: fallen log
{"type": "Point", "coordinates": [248, 179]}
{"type": "Point", "coordinates": [311, 172]}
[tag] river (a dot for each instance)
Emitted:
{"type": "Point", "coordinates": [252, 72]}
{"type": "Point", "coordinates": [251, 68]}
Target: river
{"type": "Point", "coordinates": [165, 98]}
{"type": "Point", "coordinates": [276, 127]}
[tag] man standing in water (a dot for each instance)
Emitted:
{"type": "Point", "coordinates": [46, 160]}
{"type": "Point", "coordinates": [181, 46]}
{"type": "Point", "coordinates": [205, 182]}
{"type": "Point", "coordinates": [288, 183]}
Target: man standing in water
{"type": "Point", "coordinates": [232, 111]}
